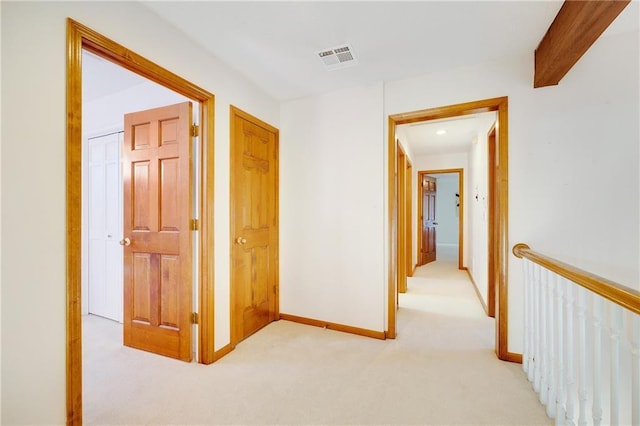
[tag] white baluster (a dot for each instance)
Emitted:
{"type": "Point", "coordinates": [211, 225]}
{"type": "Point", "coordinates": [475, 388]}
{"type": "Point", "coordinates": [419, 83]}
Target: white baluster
{"type": "Point", "coordinates": [551, 360]}
{"type": "Point", "coordinates": [526, 351]}
{"type": "Point", "coordinates": [582, 356]}
{"type": "Point", "coordinates": [615, 328]}
{"type": "Point", "coordinates": [544, 359]}
{"type": "Point", "coordinates": [598, 305]}
{"type": "Point", "coordinates": [568, 353]}
{"type": "Point", "coordinates": [635, 369]}
{"type": "Point", "coordinates": [560, 389]}
{"type": "Point", "coordinates": [536, 322]}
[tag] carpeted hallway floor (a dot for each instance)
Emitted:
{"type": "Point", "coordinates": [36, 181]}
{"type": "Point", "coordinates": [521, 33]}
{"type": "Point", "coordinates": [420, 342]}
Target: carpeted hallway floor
{"type": "Point", "coordinates": [440, 370]}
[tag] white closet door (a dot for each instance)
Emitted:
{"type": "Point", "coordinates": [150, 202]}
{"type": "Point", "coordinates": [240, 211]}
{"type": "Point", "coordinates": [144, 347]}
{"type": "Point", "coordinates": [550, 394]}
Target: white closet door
{"type": "Point", "coordinates": [105, 227]}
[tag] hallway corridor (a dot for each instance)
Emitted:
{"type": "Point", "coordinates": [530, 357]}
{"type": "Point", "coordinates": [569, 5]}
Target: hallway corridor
{"type": "Point", "coordinates": [440, 370]}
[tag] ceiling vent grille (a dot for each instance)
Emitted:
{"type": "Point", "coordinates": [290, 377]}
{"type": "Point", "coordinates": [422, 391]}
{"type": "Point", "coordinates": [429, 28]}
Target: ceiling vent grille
{"type": "Point", "coordinates": [337, 57]}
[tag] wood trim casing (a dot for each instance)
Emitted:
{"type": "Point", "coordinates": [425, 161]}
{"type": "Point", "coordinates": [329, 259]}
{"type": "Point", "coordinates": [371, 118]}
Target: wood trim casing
{"type": "Point", "coordinates": [402, 219]}
{"type": "Point", "coordinates": [575, 28]}
{"type": "Point", "coordinates": [513, 357]}
{"type": "Point", "coordinates": [619, 294]}
{"type": "Point", "coordinates": [475, 287]}
{"type": "Point", "coordinates": [335, 326]}
{"type": "Point", "coordinates": [492, 198]}
{"type": "Point", "coordinates": [460, 173]}
{"type": "Point", "coordinates": [74, 230]}
{"type": "Point", "coordinates": [494, 104]}
{"type": "Point", "coordinates": [409, 214]}
{"type": "Point", "coordinates": [392, 242]}
{"type": "Point", "coordinates": [225, 350]}
{"type": "Point", "coordinates": [80, 37]}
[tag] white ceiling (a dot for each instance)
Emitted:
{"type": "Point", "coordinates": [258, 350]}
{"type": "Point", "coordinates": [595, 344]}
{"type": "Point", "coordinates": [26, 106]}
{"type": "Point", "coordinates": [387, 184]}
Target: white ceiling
{"type": "Point", "coordinates": [101, 77]}
{"type": "Point", "coordinates": [274, 43]}
{"type": "Point", "coordinates": [461, 133]}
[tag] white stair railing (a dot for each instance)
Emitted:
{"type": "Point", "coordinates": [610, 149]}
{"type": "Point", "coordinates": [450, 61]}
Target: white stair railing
{"type": "Point", "coordinates": [581, 348]}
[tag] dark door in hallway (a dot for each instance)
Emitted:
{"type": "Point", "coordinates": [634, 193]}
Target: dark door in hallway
{"type": "Point", "coordinates": [254, 224]}
{"type": "Point", "coordinates": [157, 244]}
{"type": "Point", "coordinates": [428, 249]}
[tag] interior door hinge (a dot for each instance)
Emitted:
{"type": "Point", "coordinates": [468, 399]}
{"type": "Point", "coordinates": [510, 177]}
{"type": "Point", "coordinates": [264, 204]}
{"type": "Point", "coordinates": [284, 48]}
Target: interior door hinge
{"type": "Point", "coordinates": [195, 130]}
{"type": "Point", "coordinates": [195, 224]}
{"type": "Point", "coordinates": [194, 318]}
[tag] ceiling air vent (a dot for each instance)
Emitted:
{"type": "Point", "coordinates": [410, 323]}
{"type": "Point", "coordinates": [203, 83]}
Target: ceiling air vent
{"type": "Point", "coordinates": [337, 57]}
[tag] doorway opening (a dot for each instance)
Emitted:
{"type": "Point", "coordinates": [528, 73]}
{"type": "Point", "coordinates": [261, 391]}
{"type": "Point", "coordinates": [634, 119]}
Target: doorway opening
{"type": "Point", "coordinates": [109, 93]}
{"type": "Point", "coordinates": [424, 213]}
{"type": "Point", "coordinates": [81, 38]}
{"type": "Point", "coordinates": [498, 236]}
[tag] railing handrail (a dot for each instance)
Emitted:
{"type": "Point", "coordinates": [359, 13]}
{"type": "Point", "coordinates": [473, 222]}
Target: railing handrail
{"type": "Point", "coordinates": [617, 293]}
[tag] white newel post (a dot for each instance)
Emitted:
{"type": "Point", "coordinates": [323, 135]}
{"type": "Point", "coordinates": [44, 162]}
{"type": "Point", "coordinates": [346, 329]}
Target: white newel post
{"type": "Point", "coordinates": [536, 329]}
{"type": "Point", "coordinates": [551, 332]}
{"type": "Point", "coordinates": [582, 356]}
{"type": "Point", "coordinates": [560, 388]}
{"type": "Point", "coordinates": [526, 347]}
{"type": "Point", "coordinates": [544, 339]}
{"type": "Point", "coordinates": [615, 317]}
{"type": "Point", "coordinates": [635, 369]}
{"type": "Point", "coordinates": [598, 312]}
{"type": "Point", "coordinates": [568, 352]}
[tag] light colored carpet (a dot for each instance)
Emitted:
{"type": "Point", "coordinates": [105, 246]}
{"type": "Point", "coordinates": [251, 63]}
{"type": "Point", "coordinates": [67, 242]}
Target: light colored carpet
{"type": "Point", "coordinates": [440, 370]}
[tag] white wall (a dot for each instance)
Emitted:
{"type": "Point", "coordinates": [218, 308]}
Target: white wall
{"type": "Point", "coordinates": [331, 208]}
{"type": "Point", "coordinates": [573, 156]}
{"type": "Point", "coordinates": [446, 210]}
{"type": "Point", "coordinates": [33, 177]}
{"type": "Point", "coordinates": [442, 162]}
{"type": "Point", "coordinates": [106, 113]}
{"type": "Point", "coordinates": [478, 220]}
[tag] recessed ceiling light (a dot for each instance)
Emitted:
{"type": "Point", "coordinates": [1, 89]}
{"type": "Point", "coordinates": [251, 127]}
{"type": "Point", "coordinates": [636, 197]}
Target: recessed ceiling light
{"type": "Point", "coordinates": [441, 132]}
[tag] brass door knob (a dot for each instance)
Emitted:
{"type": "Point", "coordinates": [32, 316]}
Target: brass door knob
{"type": "Point", "coordinates": [241, 240]}
{"type": "Point", "coordinates": [125, 242]}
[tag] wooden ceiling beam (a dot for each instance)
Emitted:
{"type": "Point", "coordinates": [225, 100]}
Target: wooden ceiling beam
{"type": "Point", "coordinates": [576, 27]}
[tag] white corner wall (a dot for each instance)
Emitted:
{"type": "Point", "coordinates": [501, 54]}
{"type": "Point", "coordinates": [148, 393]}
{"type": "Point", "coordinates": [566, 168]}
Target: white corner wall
{"type": "Point", "coordinates": [573, 156]}
{"type": "Point", "coordinates": [33, 181]}
{"type": "Point", "coordinates": [477, 213]}
{"type": "Point", "coordinates": [332, 208]}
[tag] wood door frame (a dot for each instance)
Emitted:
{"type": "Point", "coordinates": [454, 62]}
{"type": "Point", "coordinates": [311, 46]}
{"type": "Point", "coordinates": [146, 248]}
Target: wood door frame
{"type": "Point", "coordinates": [402, 219]}
{"type": "Point", "coordinates": [492, 236]}
{"type": "Point", "coordinates": [494, 104]}
{"type": "Point", "coordinates": [460, 173]}
{"type": "Point", "coordinates": [233, 113]}
{"type": "Point", "coordinates": [409, 214]}
{"type": "Point", "coordinates": [79, 38]}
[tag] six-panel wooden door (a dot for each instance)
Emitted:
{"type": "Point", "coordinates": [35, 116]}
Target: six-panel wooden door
{"type": "Point", "coordinates": [428, 250]}
{"type": "Point", "coordinates": [254, 225]}
{"type": "Point", "coordinates": [157, 238]}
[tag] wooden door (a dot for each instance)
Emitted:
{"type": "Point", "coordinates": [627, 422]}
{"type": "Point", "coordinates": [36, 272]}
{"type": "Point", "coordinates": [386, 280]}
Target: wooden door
{"type": "Point", "coordinates": [157, 240]}
{"type": "Point", "coordinates": [254, 224]}
{"type": "Point", "coordinates": [428, 249]}
{"type": "Point", "coordinates": [104, 220]}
